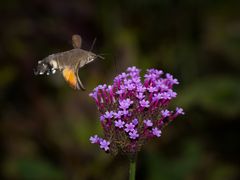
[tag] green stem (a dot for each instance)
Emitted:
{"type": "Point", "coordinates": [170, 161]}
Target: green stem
{"type": "Point", "coordinates": [132, 168]}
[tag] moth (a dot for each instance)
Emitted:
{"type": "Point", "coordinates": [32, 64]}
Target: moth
{"type": "Point", "coordinates": [68, 63]}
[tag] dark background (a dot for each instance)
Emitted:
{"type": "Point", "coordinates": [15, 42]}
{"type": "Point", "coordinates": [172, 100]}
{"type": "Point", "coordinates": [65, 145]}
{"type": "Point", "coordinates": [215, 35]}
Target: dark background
{"type": "Point", "coordinates": [45, 125]}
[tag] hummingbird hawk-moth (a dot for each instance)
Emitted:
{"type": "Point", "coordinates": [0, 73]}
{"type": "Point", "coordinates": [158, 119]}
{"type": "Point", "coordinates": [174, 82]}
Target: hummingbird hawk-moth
{"type": "Point", "coordinates": [68, 63]}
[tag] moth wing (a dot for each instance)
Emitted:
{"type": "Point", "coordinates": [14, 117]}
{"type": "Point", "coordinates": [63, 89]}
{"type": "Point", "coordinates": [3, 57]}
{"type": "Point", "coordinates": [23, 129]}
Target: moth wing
{"type": "Point", "coordinates": [71, 77]}
{"type": "Point", "coordinates": [76, 41]}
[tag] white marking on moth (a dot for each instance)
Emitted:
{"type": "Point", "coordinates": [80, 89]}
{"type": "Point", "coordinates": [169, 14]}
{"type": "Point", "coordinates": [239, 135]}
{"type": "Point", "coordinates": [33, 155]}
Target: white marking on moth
{"type": "Point", "coordinates": [90, 59]}
{"type": "Point", "coordinates": [54, 64]}
{"type": "Point", "coordinates": [39, 62]}
{"type": "Point", "coordinates": [53, 71]}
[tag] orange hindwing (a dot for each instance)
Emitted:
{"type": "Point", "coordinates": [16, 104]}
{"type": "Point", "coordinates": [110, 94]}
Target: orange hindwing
{"type": "Point", "coordinates": [71, 78]}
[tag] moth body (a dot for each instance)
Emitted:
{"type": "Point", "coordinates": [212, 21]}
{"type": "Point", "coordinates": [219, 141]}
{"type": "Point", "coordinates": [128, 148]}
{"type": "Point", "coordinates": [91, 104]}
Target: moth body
{"type": "Point", "coordinates": [68, 63]}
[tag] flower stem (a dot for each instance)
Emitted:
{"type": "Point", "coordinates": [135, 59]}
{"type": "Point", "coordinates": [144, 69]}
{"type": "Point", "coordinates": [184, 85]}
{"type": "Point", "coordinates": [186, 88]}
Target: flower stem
{"type": "Point", "coordinates": [132, 168]}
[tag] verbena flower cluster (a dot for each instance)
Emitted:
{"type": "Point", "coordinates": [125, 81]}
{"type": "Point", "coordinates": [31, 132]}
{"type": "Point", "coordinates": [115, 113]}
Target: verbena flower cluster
{"type": "Point", "coordinates": [132, 111]}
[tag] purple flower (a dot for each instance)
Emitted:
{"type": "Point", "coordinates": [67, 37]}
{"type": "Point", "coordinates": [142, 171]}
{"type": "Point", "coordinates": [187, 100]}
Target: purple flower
{"type": "Point", "coordinates": [123, 87]}
{"type": "Point", "coordinates": [101, 87]}
{"type": "Point", "coordinates": [179, 111]}
{"type": "Point", "coordinates": [144, 103]}
{"type": "Point", "coordinates": [125, 112]}
{"type": "Point", "coordinates": [102, 118]}
{"type": "Point", "coordinates": [133, 69]}
{"type": "Point", "coordinates": [141, 89]}
{"type": "Point", "coordinates": [118, 115]}
{"type": "Point", "coordinates": [160, 84]}
{"type": "Point", "coordinates": [165, 95]}
{"type": "Point", "coordinates": [136, 80]}
{"type": "Point", "coordinates": [119, 123]}
{"type": "Point", "coordinates": [124, 104]}
{"type": "Point", "coordinates": [131, 107]}
{"type": "Point", "coordinates": [171, 93]}
{"type": "Point", "coordinates": [148, 123]}
{"type": "Point", "coordinates": [129, 127]}
{"type": "Point", "coordinates": [108, 115]}
{"type": "Point", "coordinates": [94, 139]}
{"type": "Point", "coordinates": [123, 75]}
{"type": "Point", "coordinates": [165, 113]}
{"type": "Point", "coordinates": [135, 121]}
{"type": "Point", "coordinates": [93, 95]}
{"type": "Point", "coordinates": [104, 145]}
{"type": "Point", "coordinates": [120, 92]}
{"type": "Point", "coordinates": [130, 87]}
{"type": "Point", "coordinates": [157, 96]}
{"type": "Point", "coordinates": [140, 96]}
{"type": "Point", "coordinates": [155, 71]}
{"type": "Point", "coordinates": [109, 87]}
{"type": "Point", "coordinates": [127, 81]}
{"type": "Point", "coordinates": [133, 134]}
{"type": "Point", "coordinates": [156, 132]}
{"type": "Point", "coordinates": [171, 79]}
{"type": "Point", "coordinates": [150, 76]}
{"type": "Point", "coordinates": [152, 89]}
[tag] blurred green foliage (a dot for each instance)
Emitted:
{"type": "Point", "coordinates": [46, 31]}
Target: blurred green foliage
{"type": "Point", "coordinates": [45, 125]}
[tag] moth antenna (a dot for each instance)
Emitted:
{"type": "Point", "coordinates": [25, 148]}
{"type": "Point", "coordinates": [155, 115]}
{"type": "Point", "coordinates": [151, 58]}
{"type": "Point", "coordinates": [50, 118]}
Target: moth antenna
{"type": "Point", "coordinates": [99, 55]}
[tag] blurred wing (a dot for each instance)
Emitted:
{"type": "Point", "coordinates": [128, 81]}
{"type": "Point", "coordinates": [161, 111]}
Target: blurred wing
{"type": "Point", "coordinates": [72, 78]}
{"type": "Point", "coordinates": [76, 41]}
